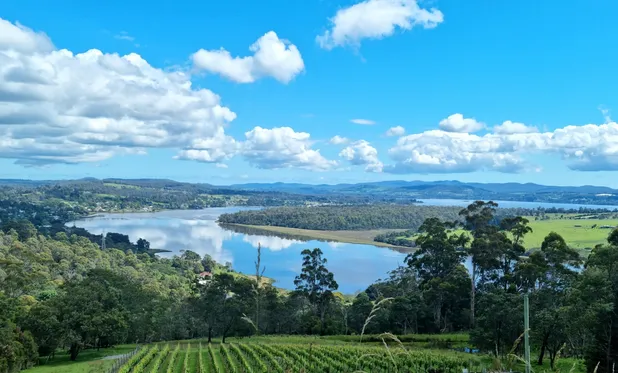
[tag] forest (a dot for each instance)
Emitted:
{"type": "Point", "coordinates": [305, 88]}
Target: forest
{"type": "Point", "coordinates": [399, 238]}
{"type": "Point", "coordinates": [374, 216]}
{"type": "Point", "coordinates": [65, 292]}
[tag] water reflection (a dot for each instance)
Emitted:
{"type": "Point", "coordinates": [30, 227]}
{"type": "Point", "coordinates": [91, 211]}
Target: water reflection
{"type": "Point", "coordinates": [355, 266]}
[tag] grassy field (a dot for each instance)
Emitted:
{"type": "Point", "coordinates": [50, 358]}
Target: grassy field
{"type": "Point", "coordinates": [89, 361]}
{"type": "Point", "coordinates": [298, 354]}
{"type": "Point", "coordinates": [579, 234]}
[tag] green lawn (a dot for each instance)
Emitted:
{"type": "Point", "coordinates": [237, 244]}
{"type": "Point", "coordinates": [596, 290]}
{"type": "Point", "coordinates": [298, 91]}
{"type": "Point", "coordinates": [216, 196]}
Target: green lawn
{"type": "Point", "coordinates": [579, 234]}
{"type": "Point", "coordinates": [89, 361]}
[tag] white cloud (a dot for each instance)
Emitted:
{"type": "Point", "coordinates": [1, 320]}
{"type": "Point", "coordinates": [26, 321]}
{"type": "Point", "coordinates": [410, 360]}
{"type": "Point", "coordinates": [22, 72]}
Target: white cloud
{"type": "Point", "coordinates": [272, 57]}
{"type": "Point", "coordinates": [606, 114]}
{"type": "Point", "coordinates": [376, 19]}
{"type": "Point", "coordinates": [283, 148]}
{"type": "Point", "coordinates": [18, 38]}
{"type": "Point", "coordinates": [362, 153]}
{"type": "Point", "coordinates": [338, 140]}
{"type": "Point", "coordinates": [457, 123]}
{"type": "Point", "coordinates": [123, 35]}
{"type": "Point", "coordinates": [509, 127]}
{"type": "Point", "coordinates": [444, 152]}
{"type": "Point", "coordinates": [589, 147]}
{"type": "Point", "coordinates": [364, 122]}
{"type": "Point", "coordinates": [272, 243]}
{"type": "Point", "coordinates": [217, 148]}
{"type": "Point", "coordinates": [396, 131]}
{"type": "Point", "coordinates": [221, 165]}
{"type": "Point", "coordinates": [61, 107]}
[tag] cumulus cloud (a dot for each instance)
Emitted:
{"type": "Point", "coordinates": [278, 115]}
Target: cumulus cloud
{"type": "Point", "coordinates": [361, 153]}
{"type": "Point", "coordinates": [376, 19]}
{"type": "Point", "coordinates": [338, 140]}
{"type": "Point", "coordinates": [272, 57]}
{"type": "Point", "coordinates": [509, 127]}
{"type": "Point", "coordinates": [364, 122]}
{"type": "Point", "coordinates": [21, 39]}
{"type": "Point", "coordinates": [589, 147]}
{"type": "Point", "coordinates": [62, 107]}
{"type": "Point", "coordinates": [283, 148]}
{"type": "Point", "coordinates": [272, 243]}
{"type": "Point", "coordinates": [444, 152]}
{"type": "Point", "coordinates": [457, 123]}
{"type": "Point", "coordinates": [219, 147]}
{"type": "Point", "coordinates": [396, 131]}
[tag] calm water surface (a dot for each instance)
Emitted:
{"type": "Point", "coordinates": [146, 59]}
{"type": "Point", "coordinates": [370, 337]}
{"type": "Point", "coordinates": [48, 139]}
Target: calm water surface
{"type": "Point", "coordinates": [515, 204]}
{"type": "Point", "coordinates": [355, 266]}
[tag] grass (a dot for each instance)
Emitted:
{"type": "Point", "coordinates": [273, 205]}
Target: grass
{"type": "Point", "coordinates": [88, 361]}
{"type": "Point", "coordinates": [358, 237]}
{"type": "Point", "coordinates": [578, 234]}
{"type": "Point", "coordinates": [581, 237]}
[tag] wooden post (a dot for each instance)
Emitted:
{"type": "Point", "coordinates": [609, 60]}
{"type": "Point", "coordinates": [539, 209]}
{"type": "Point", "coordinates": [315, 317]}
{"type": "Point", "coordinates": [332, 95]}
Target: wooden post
{"type": "Point", "coordinates": [527, 332]}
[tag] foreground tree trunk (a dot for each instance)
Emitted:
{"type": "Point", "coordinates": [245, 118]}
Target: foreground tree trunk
{"type": "Point", "coordinates": [74, 351]}
{"type": "Point", "coordinates": [543, 347]}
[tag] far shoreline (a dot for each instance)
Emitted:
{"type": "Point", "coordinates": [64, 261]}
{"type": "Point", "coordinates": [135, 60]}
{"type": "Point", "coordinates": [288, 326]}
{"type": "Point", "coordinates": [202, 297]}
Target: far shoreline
{"type": "Point", "coordinates": [362, 237]}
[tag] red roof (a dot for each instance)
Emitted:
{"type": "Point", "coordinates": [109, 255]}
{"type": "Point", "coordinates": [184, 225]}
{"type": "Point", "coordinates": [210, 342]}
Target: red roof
{"type": "Point", "coordinates": [205, 274]}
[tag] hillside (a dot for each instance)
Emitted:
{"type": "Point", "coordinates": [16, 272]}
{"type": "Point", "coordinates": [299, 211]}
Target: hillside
{"type": "Point", "coordinates": [455, 190]}
{"type": "Point", "coordinates": [395, 191]}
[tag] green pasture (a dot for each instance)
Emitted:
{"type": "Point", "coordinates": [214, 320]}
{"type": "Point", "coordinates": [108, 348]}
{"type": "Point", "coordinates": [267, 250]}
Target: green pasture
{"type": "Point", "coordinates": [89, 361]}
{"type": "Point", "coordinates": [578, 233]}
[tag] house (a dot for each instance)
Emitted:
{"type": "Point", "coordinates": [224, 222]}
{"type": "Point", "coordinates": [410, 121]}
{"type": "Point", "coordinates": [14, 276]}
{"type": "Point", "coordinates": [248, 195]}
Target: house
{"type": "Point", "coordinates": [204, 278]}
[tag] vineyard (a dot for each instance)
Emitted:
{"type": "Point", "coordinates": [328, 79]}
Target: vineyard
{"type": "Point", "coordinates": [262, 358]}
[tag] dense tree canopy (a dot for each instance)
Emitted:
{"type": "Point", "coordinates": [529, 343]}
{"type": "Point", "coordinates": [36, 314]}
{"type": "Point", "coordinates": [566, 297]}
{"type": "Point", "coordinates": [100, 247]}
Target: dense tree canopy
{"type": "Point", "coordinates": [64, 291]}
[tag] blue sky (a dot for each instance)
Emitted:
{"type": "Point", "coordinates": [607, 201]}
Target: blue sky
{"type": "Point", "coordinates": [485, 91]}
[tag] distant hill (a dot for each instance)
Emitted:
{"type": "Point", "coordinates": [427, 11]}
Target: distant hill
{"type": "Point", "coordinates": [452, 189]}
{"type": "Point", "coordinates": [449, 185]}
{"type": "Point", "coordinates": [382, 190]}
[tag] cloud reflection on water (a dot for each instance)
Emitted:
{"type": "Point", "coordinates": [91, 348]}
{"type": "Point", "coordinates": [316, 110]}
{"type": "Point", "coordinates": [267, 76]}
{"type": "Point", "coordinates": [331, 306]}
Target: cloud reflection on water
{"type": "Point", "coordinates": [355, 266]}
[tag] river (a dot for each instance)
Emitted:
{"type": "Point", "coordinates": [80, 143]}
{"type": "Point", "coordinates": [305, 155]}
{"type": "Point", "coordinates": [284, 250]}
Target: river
{"type": "Point", "coordinates": [355, 266]}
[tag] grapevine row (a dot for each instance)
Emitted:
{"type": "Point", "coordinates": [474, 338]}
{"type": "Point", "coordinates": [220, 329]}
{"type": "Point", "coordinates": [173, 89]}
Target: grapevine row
{"type": "Point", "coordinates": [162, 355]}
{"type": "Point", "coordinates": [126, 368]}
{"type": "Point", "coordinates": [170, 365]}
{"type": "Point", "coordinates": [283, 358]}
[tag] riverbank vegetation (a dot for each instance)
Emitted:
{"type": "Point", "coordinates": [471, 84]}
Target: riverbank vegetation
{"type": "Point", "coordinates": [364, 237]}
{"type": "Point", "coordinates": [65, 293]}
{"type": "Point", "coordinates": [384, 216]}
